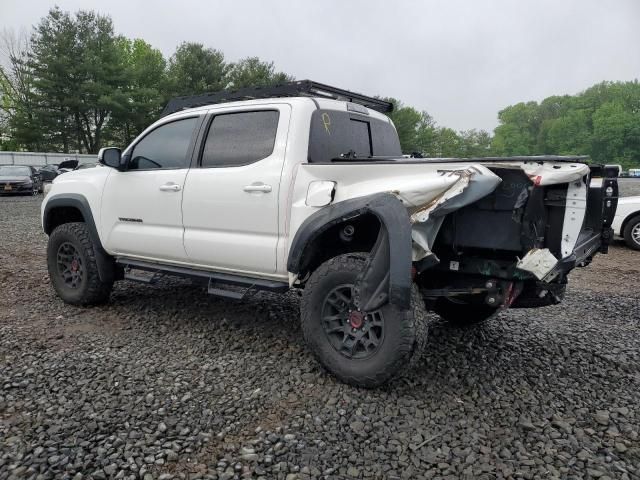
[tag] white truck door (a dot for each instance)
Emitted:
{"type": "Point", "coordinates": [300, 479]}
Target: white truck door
{"type": "Point", "coordinates": [230, 203]}
{"type": "Point", "coordinates": [142, 206]}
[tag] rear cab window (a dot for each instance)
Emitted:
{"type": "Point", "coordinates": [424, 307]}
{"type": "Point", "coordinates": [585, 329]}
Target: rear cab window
{"type": "Point", "coordinates": [334, 134]}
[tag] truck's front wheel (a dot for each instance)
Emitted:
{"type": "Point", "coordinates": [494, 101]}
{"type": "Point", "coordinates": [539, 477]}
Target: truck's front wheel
{"type": "Point", "coordinates": [72, 266]}
{"type": "Point", "coordinates": [364, 349]}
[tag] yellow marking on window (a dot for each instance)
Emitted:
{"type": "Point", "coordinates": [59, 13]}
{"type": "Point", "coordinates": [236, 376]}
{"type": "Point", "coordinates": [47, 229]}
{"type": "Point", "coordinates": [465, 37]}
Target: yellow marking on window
{"type": "Point", "coordinates": [326, 121]}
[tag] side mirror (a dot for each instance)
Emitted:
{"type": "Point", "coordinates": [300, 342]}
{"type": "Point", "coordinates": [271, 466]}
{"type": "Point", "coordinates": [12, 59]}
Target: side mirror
{"type": "Point", "coordinates": [110, 157]}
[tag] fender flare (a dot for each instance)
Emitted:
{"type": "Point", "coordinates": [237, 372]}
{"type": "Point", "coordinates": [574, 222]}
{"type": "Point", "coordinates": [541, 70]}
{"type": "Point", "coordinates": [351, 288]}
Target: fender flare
{"type": "Point", "coordinates": [626, 220]}
{"type": "Point", "coordinates": [395, 225]}
{"type": "Point", "coordinates": [105, 263]}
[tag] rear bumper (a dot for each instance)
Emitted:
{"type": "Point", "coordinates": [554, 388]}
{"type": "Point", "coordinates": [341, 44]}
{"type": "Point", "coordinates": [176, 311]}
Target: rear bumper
{"type": "Point", "coordinates": [596, 234]}
{"type": "Point", "coordinates": [588, 245]}
{"type": "Point", "coordinates": [601, 210]}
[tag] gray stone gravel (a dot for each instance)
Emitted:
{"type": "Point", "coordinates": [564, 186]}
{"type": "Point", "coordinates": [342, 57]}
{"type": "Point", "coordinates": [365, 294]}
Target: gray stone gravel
{"type": "Point", "coordinates": [166, 382]}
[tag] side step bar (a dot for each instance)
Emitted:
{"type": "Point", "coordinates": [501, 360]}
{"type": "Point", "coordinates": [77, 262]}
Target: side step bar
{"type": "Point", "coordinates": [215, 280]}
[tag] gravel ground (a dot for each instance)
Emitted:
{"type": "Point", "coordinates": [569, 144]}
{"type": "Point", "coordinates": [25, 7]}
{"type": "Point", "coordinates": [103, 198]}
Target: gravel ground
{"type": "Point", "coordinates": [168, 382]}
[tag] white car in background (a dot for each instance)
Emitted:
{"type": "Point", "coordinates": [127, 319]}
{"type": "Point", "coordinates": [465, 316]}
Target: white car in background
{"type": "Point", "coordinates": [626, 222]}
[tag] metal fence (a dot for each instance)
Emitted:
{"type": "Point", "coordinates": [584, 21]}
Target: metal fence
{"type": "Point", "coordinates": [39, 159]}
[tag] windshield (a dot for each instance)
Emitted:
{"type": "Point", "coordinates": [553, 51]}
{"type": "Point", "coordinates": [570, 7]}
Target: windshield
{"type": "Point", "coordinates": [10, 170]}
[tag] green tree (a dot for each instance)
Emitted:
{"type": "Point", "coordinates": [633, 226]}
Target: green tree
{"type": "Point", "coordinates": [474, 143]}
{"type": "Point", "coordinates": [416, 130]}
{"type": "Point", "coordinates": [569, 134]}
{"type": "Point", "coordinates": [18, 128]}
{"type": "Point", "coordinates": [52, 64]}
{"type": "Point", "coordinates": [601, 122]}
{"type": "Point", "coordinates": [252, 72]}
{"type": "Point", "coordinates": [145, 71]}
{"type": "Point", "coordinates": [518, 130]}
{"type": "Point", "coordinates": [101, 77]}
{"type": "Point", "coordinates": [77, 78]}
{"type": "Point", "coordinates": [448, 143]}
{"type": "Point", "coordinates": [195, 69]}
{"type": "Point", "coordinates": [616, 135]}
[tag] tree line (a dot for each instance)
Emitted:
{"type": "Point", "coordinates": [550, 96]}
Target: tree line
{"type": "Point", "coordinates": [602, 122]}
{"type": "Point", "coordinates": [74, 85]}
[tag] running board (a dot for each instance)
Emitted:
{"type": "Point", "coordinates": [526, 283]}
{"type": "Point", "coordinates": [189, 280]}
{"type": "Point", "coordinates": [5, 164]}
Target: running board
{"type": "Point", "coordinates": [215, 280]}
{"type": "Point", "coordinates": [149, 280]}
{"type": "Point", "coordinates": [212, 289]}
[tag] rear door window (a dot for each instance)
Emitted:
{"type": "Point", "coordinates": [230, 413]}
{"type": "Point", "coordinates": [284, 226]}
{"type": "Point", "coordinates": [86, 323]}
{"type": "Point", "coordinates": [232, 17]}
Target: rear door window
{"type": "Point", "coordinates": [240, 138]}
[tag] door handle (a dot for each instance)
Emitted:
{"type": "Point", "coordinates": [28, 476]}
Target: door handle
{"type": "Point", "coordinates": [170, 187]}
{"type": "Point", "coordinates": [257, 187]}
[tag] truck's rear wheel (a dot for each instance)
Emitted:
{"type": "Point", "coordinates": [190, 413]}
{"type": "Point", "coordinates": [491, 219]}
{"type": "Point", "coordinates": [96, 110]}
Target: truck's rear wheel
{"type": "Point", "coordinates": [361, 348]}
{"type": "Point", "coordinates": [632, 233]}
{"type": "Point", "coordinates": [72, 266]}
{"type": "Point", "coordinates": [461, 313]}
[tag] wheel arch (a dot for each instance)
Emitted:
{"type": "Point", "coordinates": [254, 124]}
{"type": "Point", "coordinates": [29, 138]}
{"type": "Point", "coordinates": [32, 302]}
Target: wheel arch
{"type": "Point", "coordinates": [627, 219]}
{"type": "Point", "coordinates": [73, 207]}
{"type": "Point", "coordinates": [317, 239]}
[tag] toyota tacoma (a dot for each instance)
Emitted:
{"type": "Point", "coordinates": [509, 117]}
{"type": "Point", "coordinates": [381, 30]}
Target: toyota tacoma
{"type": "Point", "coordinates": [304, 186]}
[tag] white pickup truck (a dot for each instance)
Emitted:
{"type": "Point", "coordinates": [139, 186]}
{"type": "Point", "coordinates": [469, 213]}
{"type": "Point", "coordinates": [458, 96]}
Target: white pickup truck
{"type": "Point", "coordinates": [304, 186]}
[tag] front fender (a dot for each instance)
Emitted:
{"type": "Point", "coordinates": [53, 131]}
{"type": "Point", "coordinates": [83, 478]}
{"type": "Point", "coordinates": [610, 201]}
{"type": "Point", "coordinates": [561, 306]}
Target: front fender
{"type": "Point", "coordinates": [394, 224]}
{"type": "Point", "coordinates": [104, 262]}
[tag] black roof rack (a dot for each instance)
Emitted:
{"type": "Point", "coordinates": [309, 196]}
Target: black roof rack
{"type": "Point", "coordinates": [302, 88]}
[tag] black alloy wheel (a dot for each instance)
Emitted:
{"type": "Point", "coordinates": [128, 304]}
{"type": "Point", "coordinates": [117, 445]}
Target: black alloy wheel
{"type": "Point", "coordinates": [70, 265]}
{"type": "Point", "coordinates": [366, 349]}
{"type": "Point", "coordinates": [355, 334]}
{"type": "Point", "coordinates": [73, 266]}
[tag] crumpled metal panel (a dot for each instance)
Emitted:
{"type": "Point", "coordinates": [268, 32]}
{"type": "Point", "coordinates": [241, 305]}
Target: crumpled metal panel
{"type": "Point", "coordinates": [427, 208]}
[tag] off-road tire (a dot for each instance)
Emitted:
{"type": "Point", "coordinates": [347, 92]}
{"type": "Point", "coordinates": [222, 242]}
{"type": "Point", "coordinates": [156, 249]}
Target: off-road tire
{"type": "Point", "coordinates": [405, 332]}
{"type": "Point", "coordinates": [91, 290]}
{"type": "Point", "coordinates": [463, 314]}
{"type": "Point", "coordinates": [630, 228]}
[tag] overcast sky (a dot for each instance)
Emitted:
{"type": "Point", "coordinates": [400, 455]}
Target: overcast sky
{"type": "Point", "coordinates": [462, 61]}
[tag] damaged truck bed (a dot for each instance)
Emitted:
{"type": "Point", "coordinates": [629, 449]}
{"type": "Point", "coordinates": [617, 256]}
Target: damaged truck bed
{"type": "Point", "coordinates": [304, 186]}
{"type": "Point", "coordinates": [497, 232]}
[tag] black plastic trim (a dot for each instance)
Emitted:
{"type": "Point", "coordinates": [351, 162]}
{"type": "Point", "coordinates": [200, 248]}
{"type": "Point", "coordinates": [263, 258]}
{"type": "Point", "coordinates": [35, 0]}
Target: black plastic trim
{"type": "Point", "coordinates": [223, 278]}
{"type": "Point", "coordinates": [392, 215]}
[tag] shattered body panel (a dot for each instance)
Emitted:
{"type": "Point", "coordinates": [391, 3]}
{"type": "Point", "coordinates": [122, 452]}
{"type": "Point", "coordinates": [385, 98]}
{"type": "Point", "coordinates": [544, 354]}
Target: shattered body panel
{"type": "Point", "coordinates": [503, 229]}
{"type": "Point", "coordinates": [429, 190]}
